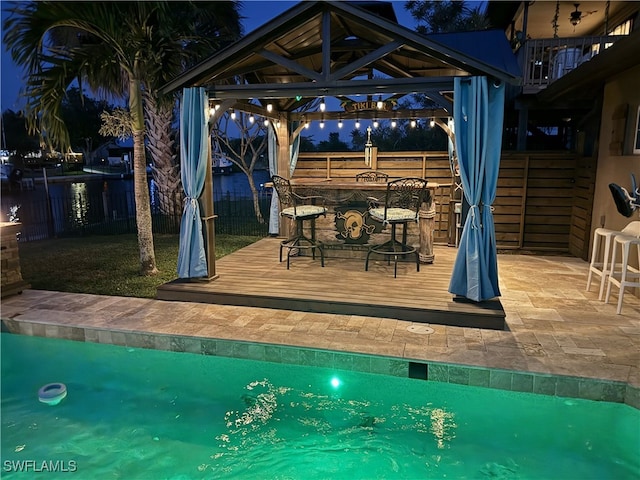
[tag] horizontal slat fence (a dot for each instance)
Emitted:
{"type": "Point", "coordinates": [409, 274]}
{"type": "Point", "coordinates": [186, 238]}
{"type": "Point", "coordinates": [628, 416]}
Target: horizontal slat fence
{"type": "Point", "coordinates": [543, 200]}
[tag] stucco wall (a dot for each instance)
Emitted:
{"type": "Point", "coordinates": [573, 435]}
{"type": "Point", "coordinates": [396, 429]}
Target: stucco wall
{"type": "Point", "coordinates": [622, 89]}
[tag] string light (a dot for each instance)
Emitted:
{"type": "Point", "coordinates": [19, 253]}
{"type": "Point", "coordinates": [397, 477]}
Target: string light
{"type": "Point", "coordinates": [375, 123]}
{"type": "Point", "coordinates": [357, 123]}
{"type": "Point", "coordinates": [269, 107]}
{"type": "Point", "coordinates": [307, 124]}
{"type": "Point", "coordinates": [266, 122]}
{"type": "Point", "coordinates": [340, 123]}
{"type": "Point", "coordinates": [413, 123]}
{"type": "Point", "coordinates": [379, 104]}
{"type": "Point", "coordinates": [432, 123]}
{"type": "Point", "coordinates": [393, 123]}
{"type": "Point", "coordinates": [252, 118]}
{"type": "Point", "coordinates": [233, 114]}
{"type": "Point", "coordinates": [322, 105]}
{"type": "Point", "coordinates": [321, 123]}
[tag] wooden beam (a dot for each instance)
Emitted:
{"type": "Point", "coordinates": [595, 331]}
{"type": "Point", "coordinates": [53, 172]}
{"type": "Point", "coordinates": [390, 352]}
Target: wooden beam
{"type": "Point", "coordinates": [285, 62]}
{"type": "Point", "coordinates": [326, 45]}
{"type": "Point", "coordinates": [366, 60]}
{"type": "Point", "coordinates": [321, 88]}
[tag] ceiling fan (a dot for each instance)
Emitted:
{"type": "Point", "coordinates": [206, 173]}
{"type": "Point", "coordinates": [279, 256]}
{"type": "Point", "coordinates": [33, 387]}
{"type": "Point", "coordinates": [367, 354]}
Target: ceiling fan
{"type": "Point", "coordinates": [577, 15]}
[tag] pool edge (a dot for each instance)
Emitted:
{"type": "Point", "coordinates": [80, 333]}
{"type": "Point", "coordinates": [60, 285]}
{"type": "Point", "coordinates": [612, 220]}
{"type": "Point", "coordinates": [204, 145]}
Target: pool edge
{"type": "Point", "coordinates": [495, 378]}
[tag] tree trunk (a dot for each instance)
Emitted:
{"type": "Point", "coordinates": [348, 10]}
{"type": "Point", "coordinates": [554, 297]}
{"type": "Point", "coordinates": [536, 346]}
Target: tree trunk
{"type": "Point", "coordinates": [140, 185]}
{"type": "Point", "coordinates": [254, 193]}
{"type": "Point", "coordinates": [165, 169]}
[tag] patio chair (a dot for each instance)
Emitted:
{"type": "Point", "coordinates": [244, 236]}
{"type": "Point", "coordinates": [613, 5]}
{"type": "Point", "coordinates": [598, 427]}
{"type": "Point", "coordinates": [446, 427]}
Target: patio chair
{"type": "Point", "coordinates": [299, 209]}
{"type": "Point", "coordinates": [401, 205]}
{"type": "Point", "coordinates": [372, 176]}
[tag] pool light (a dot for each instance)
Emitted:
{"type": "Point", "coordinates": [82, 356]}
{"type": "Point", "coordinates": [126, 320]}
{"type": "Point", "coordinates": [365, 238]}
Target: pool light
{"type": "Point", "coordinates": [335, 382]}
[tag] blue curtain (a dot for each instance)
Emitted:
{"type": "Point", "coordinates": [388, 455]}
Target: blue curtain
{"type": "Point", "coordinates": [272, 148]}
{"type": "Point", "coordinates": [478, 116]}
{"type": "Point", "coordinates": [194, 156]}
{"type": "Point", "coordinates": [294, 149]}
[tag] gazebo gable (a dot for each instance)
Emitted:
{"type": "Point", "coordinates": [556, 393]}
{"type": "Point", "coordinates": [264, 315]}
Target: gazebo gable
{"type": "Point", "coordinates": [333, 48]}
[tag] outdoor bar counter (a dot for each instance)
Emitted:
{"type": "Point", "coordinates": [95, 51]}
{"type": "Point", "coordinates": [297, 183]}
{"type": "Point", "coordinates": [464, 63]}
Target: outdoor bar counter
{"type": "Point", "coordinates": [347, 229]}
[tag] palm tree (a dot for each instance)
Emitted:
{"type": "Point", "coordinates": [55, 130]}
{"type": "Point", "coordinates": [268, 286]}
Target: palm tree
{"type": "Point", "coordinates": [125, 49]}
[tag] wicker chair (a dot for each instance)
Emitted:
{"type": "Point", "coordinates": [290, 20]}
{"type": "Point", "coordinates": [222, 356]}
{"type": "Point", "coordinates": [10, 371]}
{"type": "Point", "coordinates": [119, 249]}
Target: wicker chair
{"type": "Point", "coordinates": [401, 205]}
{"type": "Point", "coordinates": [372, 176]}
{"type": "Point", "coordinates": [299, 209]}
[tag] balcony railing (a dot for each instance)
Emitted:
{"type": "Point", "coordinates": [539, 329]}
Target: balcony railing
{"type": "Point", "coordinates": [544, 60]}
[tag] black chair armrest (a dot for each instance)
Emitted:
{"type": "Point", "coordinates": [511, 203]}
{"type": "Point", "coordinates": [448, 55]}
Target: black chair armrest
{"type": "Point", "coordinates": [312, 198]}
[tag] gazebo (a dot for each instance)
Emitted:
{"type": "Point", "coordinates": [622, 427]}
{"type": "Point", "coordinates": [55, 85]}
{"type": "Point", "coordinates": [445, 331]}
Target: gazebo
{"type": "Point", "coordinates": [355, 52]}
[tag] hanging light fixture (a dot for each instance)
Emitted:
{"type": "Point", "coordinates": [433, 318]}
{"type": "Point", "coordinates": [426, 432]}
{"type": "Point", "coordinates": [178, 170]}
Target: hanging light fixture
{"type": "Point", "coordinates": [394, 124]}
{"type": "Point", "coordinates": [266, 122]}
{"type": "Point", "coordinates": [252, 119]}
{"type": "Point", "coordinates": [357, 123]}
{"type": "Point", "coordinates": [322, 123]}
{"type": "Point", "coordinates": [432, 123]}
{"type": "Point", "coordinates": [269, 107]}
{"type": "Point", "coordinates": [323, 107]}
{"type": "Point", "coordinates": [233, 114]}
{"type": "Point", "coordinates": [379, 104]}
{"type": "Point", "coordinates": [340, 123]}
{"type": "Point", "coordinates": [413, 123]}
{"type": "Point", "coordinates": [375, 123]}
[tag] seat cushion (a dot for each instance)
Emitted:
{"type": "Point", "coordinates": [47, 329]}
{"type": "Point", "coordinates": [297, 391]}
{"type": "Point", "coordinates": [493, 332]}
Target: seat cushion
{"type": "Point", "coordinates": [304, 211]}
{"type": "Point", "coordinates": [394, 215]}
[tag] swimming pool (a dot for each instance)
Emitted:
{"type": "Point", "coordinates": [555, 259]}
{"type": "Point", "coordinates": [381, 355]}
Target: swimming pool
{"type": "Point", "coordinates": [138, 414]}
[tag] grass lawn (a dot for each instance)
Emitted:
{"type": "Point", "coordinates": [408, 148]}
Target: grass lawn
{"type": "Point", "coordinates": [106, 265]}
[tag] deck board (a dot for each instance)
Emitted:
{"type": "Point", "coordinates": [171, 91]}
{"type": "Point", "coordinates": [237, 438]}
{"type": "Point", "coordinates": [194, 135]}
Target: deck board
{"type": "Point", "coordinates": [253, 276]}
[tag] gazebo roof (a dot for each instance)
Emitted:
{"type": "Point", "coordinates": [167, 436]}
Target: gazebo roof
{"type": "Point", "coordinates": [332, 48]}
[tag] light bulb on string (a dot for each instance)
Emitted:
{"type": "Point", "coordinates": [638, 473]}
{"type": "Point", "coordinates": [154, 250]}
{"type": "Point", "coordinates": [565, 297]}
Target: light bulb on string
{"type": "Point", "coordinates": [266, 122]}
{"type": "Point", "coordinates": [413, 123]}
{"type": "Point", "coordinates": [233, 114]}
{"type": "Point", "coordinates": [379, 104]}
{"type": "Point", "coordinates": [432, 123]}
{"type": "Point", "coordinates": [269, 107]}
{"type": "Point", "coordinates": [252, 118]}
{"type": "Point", "coordinates": [375, 123]}
{"type": "Point", "coordinates": [340, 123]}
{"type": "Point", "coordinates": [393, 123]}
{"type": "Point", "coordinates": [323, 107]}
{"type": "Point", "coordinates": [357, 123]}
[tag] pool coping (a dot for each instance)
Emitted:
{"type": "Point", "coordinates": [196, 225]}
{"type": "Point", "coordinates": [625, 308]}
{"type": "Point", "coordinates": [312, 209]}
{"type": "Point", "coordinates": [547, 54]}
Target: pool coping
{"type": "Point", "coordinates": [477, 376]}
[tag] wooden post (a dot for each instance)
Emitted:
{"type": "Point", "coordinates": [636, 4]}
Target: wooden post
{"type": "Point", "coordinates": [208, 220]}
{"type": "Point", "coordinates": [426, 221]}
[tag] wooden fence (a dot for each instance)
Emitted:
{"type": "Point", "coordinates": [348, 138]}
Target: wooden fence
{"type": "Point", "coordinates": [543, 200]}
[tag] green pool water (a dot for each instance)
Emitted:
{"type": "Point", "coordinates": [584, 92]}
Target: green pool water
{"type": "Point", "coordinates": [147, 414]}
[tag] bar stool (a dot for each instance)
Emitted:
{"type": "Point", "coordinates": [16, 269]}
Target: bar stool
{"type": "Point", "coordinates": [601, 265]}
{"type": "Point", "coordinates": [597, 265]}
{"type": "Point", "coordinates": [627, 276]}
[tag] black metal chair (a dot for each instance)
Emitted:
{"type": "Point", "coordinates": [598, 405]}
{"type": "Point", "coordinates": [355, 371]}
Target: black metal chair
{"type": "Point", "coordinates": [401, 205]}
{"type": "Point", "coordinates": [372, 176]}
{"type": "Point", "coordinates": [299, 209]}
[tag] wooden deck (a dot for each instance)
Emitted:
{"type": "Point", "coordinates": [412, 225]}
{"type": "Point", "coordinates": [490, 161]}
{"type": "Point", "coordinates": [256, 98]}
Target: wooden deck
{"type": "Point", "coordinates": [254, 277]}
